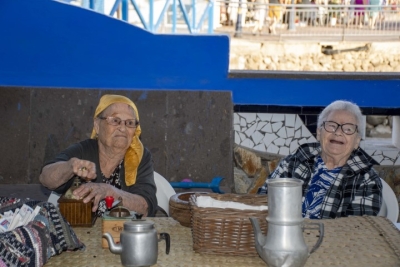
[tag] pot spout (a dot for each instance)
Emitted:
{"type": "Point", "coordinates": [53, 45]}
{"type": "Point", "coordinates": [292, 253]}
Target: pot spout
{"type": "Point", "coordinates": [114, 248]}
{"type": "Point", "coordinates": [259, 239]}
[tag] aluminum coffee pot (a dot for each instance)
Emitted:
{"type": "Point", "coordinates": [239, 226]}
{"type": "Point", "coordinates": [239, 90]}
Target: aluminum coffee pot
{"type": "Point", "coordinates": [284, 245]}
{"type": "Point", "coordinates": [138, 243]}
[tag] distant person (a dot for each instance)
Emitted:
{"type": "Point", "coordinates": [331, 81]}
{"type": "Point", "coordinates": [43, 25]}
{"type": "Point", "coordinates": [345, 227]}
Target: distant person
{"type": "Point", "coordinates": [359, 12]}
{"type": "Point", "coordinates": [311, 16]}
{"type": "Point", "coordinates": [259, 16]}
{"type": "Point", "coordinates": [338, 177]}
{"type": "Point", "coordinates": [375, 7]}
{"type": "Point", "coordinates": [114, 161]}
{"type": "Point", "coordinates": [274, 14]}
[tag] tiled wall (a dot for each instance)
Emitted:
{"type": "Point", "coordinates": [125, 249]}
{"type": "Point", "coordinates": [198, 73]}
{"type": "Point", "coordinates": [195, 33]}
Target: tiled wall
{"type": "Point", "coordinates": [283, 133]}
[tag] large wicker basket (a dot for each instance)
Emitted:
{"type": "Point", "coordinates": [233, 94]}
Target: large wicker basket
{"type": "Point", "coordinates": [227, 231]}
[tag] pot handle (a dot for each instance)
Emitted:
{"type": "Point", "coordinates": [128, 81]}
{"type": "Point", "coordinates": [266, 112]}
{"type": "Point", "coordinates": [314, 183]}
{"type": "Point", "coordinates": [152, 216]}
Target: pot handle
{"type": "Point", "coordinates": [167, 239]}
{"type": "Point", "coordinates": [321, 234]}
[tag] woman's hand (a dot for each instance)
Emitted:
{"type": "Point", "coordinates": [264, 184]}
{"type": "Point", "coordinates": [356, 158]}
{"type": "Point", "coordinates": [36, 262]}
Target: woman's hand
{"type": "Point", "coordinates": [56, 174]}
{"type": "Point", "coordinates": [92, 191]}
{"type": "Point", "coordinates": [83, 168]}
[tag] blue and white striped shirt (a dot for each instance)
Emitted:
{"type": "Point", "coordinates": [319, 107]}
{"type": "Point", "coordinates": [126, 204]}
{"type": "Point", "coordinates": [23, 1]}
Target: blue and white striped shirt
{"type": "Point", "coordinates": [320, 183]}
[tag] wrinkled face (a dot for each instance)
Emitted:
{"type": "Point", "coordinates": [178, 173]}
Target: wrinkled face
{"type": "Point", "coordinates": [338, 144]}
{"type": "Point", "coordinates": [120, 136]}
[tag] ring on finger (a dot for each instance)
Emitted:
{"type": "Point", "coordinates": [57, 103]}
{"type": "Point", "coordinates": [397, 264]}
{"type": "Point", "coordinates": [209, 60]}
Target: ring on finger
{"type": "Point", "coordinates": [82, 169]}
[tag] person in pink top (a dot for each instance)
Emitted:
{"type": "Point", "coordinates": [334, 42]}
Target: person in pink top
{"type": "Point", "coordinates": [359, 12]}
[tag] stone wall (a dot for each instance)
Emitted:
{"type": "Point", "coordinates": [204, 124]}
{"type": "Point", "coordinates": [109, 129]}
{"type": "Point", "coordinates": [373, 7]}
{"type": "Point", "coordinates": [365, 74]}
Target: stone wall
{"type": "Point", "coordinates": [185, 142]}
{"type": "Point", "coordinates": [338, 57]}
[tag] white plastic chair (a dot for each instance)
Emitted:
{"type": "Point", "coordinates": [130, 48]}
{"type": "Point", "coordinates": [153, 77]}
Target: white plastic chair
{"type": "Point", "coordinates": [390, 205]}
{"type": "Point", "coordinates": [164, 192]}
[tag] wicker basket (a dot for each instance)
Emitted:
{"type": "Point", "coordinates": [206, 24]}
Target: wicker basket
{"type": "Point", "coordinates": [179, 207]}
{"type": "Point", "coordinates": [227, 231]}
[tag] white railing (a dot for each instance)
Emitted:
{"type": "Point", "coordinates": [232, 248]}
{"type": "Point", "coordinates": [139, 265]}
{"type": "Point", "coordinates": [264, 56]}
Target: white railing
{"type": "Point", "coordinates": [277, 21]}
{"type": "Point", "coordinates": [311, 20]}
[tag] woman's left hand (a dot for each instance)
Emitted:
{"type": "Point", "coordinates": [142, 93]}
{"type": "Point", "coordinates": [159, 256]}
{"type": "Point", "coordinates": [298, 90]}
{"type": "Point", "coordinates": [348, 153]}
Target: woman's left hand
{"type": "Point", "coordinates": [91, 191]}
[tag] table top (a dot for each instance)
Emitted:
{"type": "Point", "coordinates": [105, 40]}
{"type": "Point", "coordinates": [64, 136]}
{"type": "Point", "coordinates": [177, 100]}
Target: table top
{"type": "Point", "coordinates": [353, 241]}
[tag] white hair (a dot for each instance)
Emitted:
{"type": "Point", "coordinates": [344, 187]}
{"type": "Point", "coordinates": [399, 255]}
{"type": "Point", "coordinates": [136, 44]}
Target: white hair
{"type": "Point", "coordinates": [342, 105]}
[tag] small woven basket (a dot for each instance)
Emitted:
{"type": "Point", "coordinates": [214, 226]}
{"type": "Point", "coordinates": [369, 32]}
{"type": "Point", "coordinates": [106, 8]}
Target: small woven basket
{"type": "Point", "coordinates": [227, 231]}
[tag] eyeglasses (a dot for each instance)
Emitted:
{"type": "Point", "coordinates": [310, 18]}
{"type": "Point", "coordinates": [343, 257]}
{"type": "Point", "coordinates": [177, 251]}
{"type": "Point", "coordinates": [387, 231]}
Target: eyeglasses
{"type": "Point", "coordinates": [347, 128]}
{"type": "Point", "coordinates": [115, 121]}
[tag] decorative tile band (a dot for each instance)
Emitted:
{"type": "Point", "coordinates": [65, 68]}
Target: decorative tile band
{"type": "Point", "coordinates": [283, 133]}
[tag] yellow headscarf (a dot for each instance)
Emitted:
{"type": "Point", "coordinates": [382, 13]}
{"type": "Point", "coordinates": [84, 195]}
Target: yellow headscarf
{"type": "Point", "coordinates": [134, 154]}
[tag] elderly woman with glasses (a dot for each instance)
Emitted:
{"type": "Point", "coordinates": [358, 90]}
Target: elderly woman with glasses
{"type": "Point", "coordinates": [113, 162]}
{"type": "Point", "coordinates": [338, 177]}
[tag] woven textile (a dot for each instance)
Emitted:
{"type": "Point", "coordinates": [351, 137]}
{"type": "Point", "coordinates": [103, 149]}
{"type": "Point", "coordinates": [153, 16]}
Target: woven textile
{"type": "Point", "coordinates": [353, 241]}
{"type": "Point", "coordinates": [49, 234]}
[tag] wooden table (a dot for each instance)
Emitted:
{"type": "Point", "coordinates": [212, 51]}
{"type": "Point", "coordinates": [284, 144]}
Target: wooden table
{"type": "Point", "coordinates": [354, 241]}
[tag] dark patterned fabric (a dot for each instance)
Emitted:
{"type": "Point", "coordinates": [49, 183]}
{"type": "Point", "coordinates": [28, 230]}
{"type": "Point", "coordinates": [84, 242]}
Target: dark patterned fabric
{"type": "Point", "coordinates": [49, 234]}
{"type": "Point", "coordinates": [113, 180]}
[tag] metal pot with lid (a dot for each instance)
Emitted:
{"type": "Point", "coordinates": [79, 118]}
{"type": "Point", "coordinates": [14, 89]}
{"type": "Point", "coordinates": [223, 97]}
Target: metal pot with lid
{"type": "Point", "coordinates": [138, 243]}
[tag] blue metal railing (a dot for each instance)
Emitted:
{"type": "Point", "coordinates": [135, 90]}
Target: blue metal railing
{"type": "Point", "coordinates": [153, 23]}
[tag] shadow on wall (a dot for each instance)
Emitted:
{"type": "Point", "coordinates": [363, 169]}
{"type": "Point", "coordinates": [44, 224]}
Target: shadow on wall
{"type": "Point", "coordinates": [185, 140]}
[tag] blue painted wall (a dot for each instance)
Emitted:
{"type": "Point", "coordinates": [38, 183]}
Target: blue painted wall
{"type": "Point", "coordinates": [45, 43]}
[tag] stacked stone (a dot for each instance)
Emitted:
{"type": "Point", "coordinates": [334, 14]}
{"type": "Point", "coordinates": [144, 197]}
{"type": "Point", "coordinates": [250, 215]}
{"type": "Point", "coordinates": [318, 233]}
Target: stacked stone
{"type": "Point", "coordinates": [310, 57]}
{"type": "Point", "coordinates": [251, 169]}
{"type": "Point", "coordinates": [346, 62]}
{"type": "Point", "coordinates": [379, 126]}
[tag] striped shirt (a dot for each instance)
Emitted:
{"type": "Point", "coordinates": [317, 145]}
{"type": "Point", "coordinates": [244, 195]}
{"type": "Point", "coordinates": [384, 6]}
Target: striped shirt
{"type": "Point", "coordinates": [320, 183]}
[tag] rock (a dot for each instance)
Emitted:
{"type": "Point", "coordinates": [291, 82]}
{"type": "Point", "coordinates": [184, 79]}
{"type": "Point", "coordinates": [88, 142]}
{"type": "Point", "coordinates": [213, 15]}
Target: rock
{"type": "Point", "coordinates": [272, 66]}
{"type": "Point", "coordinates": [290, 66]}
{"type": "Point", "coordinates": [242, 63]}
{"type": "Point", "coordinates": [337, 67]}
{"type": "Point", "coordinates": [324, 60]}
{"type": "Point", "coordinates": [337, 56]}
{"type": "Point", "coordinates": [255, 59]}
{"type": "Point", "coordinates": [262, 66]}
{"type": "Point", "coordinates": [308, 68]}
{"type": "Point", "coordinates": [349, 57]}
{"type": "Point", "coordinates": [248, 161]}
{"type": "Point", "coordinates": [365, 66]}
{"type": "Point", "coordinates": [349, 67]}
{"type": "Point", "coordinates": [272, 164]}
{"type": "Point", "coordinates": [383, 68]}
{"type": "Point", "coordinates": [371, 68]}
{"type": "Point", "coordinates": [258, 181]}
{"type": "Point", "coordinates": [381, 131]}
{"type": "Point", "coordinates": [357, 63]}
{"type": "Point", "coordinates": [375, 120]}
{"type": "Point", "coordinates": [267, 60]}
{"type": "Point", "coordinates": [234, 63]}
{"type": "Point", "coordinates": [252, 66]}
{"type": "Point", "coordinates": [394, 64]}
{"type": "Point", "coordinates": [275, 59]}
{"type": "Point", "coordinates": [242, 182]}
{"type": "Point", "coordinates": [375, 61]}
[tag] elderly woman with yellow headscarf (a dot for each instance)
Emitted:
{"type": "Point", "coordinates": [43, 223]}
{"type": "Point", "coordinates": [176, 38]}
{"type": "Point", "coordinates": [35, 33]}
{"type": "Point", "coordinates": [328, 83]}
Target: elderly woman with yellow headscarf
{"type": "Point", "coordinates": [114, 162]}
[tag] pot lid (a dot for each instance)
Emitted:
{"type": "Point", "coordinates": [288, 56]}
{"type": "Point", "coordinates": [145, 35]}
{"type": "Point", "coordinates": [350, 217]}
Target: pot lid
{"type": "Point", "coordinates": [138, 225]}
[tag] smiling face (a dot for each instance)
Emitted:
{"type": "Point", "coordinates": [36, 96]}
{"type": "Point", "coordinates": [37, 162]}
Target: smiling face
{"type": "Point", "coordinates": [337, 146]}
{"type": "Point", "coordinates": [115, 137]}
